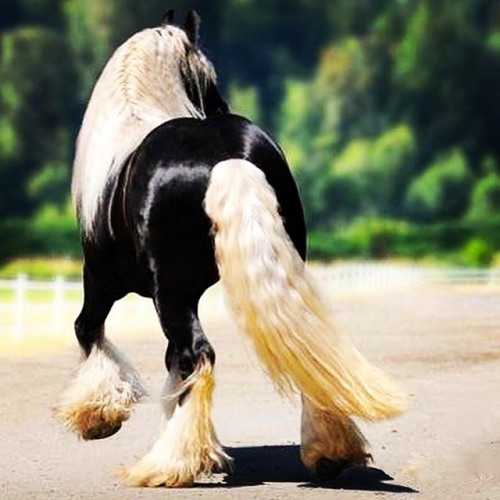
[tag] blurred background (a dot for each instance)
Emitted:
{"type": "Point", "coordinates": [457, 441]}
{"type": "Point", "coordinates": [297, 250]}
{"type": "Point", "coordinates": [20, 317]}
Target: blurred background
{"type": "Point", "coordinates": [388, 112]}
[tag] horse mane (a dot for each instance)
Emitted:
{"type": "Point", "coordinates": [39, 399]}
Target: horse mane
{"type": "Point", "coordinates": [141, 87]}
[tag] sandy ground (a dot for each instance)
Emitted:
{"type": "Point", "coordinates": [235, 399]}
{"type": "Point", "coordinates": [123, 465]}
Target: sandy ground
{"type": "Point", "coordinates": [443, 344]}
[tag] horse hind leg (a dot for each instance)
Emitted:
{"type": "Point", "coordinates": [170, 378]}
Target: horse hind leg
{"type": "Point", "coordinates": [187, 446]}
{"type": "Point", "coordinates": [101, 396]}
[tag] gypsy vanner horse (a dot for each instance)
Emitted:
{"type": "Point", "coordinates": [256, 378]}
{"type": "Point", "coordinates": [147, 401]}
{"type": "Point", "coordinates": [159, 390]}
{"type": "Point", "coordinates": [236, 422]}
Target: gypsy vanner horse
{"type": "Point", "coordinates": [174, 193]}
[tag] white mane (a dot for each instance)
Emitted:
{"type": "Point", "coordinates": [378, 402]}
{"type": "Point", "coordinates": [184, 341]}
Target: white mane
{"type": "Point", "coordinates": [140, 88]}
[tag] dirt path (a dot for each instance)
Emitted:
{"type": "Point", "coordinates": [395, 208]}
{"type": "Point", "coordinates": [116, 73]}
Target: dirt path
{"type": "Point", "coordinates": [444, 345]}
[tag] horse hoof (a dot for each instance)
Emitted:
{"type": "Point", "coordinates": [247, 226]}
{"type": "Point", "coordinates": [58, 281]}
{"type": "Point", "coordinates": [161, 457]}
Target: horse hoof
{"type": "Point", "coordinates": [101, 432]}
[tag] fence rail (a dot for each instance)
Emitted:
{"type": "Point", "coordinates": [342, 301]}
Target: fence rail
{"type": "Point", "coordinates": [55, 303]}
{"type": "Point", "coordinates": [51, 306]}
{"type": "Point", "coordinates": [361, 276]}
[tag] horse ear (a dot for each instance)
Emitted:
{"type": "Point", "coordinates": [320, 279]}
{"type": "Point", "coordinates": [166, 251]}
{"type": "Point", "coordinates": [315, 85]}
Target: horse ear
{"type": "Point", "coordinates": [168, 17]}
{"type": "Point", "coordinates": [192, 26]}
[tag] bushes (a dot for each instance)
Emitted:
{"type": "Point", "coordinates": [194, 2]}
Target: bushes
{"type": "Point", "coordinates": [477, 252]}
{"type": "Point", "coordinates": [364, 239]}
{"type": "Point", "coordinates": [485, 199]}
{"type": "Point", "coordinates": [441, 191]}
{"type": "Point", "coordinates": [460, 243]}
{"type": "Point", "coordinates": [50, 232]}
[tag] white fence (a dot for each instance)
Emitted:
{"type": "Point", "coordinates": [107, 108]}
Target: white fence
{"type": "Point", "coordinates": [53, 305]}
{"type": "Point", "coordinates": [373, 276]}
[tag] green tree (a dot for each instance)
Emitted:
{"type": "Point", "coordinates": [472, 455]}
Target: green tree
{"type": "Point", "coordinates": [88, 27]}
{"type": "Point", "coordinates": [16, 13]}
{"type": "Point", "coordinates": [244, 101]}
{"type": "Point", "coordinates": [485, 199]}
{"type": "Point", "coordinates": [441, 58]}
{"type": "Point", "coordinates": [386, 109]}
{"type": "Point", "coordinates": [369, 176]}
{"type": "Point", "coordinates": [441, 191]}
{"type": "Point", "coordinates": [36, 107]}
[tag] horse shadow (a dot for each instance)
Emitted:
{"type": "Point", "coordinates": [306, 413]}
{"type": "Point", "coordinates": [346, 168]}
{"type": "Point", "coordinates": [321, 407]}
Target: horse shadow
{"type": "Point", "coordinates": [258, 465]}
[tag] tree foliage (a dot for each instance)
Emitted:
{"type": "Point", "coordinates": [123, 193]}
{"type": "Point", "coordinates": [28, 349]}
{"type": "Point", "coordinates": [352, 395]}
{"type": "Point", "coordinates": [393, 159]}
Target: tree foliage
{"type": "Point", "coordinates": [37, 109]}
{"type": "Point", "coordinates": [441, 191]}
{"type": "Point", "coordinates": [387, 109]}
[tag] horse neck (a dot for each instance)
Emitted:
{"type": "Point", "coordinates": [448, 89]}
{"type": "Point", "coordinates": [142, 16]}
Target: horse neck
{"type": "Point", "coordinates": [145, 75]}
{"type": "Point", "coordinates": [140, 88]}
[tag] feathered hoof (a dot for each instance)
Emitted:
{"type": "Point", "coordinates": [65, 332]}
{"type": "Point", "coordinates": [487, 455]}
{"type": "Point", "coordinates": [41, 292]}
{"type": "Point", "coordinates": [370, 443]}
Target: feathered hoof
{"type": "Point", "coordinates": [326, 467]}
{"type": "Point", "coordinates": [102, 395]}
{"type": "Point", "coordinates": [178, 474]}
{"type": "Point", "coordinates": [147, 475]}
{"type": "Point", "coordinates": [102, 432]}
{"type": "Point", "coordinates": [92, 421]}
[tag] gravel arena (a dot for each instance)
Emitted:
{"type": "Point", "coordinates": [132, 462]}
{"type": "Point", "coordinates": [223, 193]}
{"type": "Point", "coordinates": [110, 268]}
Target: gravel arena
{"type": "Point", "coordinates": [442, 343]}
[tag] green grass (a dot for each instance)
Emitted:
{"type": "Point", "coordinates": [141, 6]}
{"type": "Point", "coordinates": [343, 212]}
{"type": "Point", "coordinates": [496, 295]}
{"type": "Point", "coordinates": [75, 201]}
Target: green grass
{"type": "Point", "coordinates": [42, 268]}
{"type": "Point", "coordinates": [40, 296]}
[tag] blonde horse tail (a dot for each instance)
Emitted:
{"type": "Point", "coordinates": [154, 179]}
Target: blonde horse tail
{"type": "Point", "coordinates": [275, 303]}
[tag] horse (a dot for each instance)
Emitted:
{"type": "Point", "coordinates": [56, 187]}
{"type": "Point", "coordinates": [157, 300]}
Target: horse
{"type": "Point", "coordinates": [174, 193]}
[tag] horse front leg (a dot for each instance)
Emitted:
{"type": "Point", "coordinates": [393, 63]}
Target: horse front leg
{"type": "Point", "coordinates": [187, 446]}
{"type": "Point", "coordinates": [102, 395]}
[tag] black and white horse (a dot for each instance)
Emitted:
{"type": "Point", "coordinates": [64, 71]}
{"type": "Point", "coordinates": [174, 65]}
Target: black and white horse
{"type": "Point", "coordinates": [174, 193]}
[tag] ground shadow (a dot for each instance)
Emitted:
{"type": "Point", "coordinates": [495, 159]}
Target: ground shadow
{"type": "Point", "coordinates": [281, 464]}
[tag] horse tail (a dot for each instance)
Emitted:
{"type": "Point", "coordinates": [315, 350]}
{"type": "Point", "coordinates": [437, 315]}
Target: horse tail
{"type": "Point", "coordinates": [276, 304]}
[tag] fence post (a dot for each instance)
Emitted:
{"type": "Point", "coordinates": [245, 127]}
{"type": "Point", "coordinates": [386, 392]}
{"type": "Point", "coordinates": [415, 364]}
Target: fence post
{"type": "Point", "coordinates": [494, 276]}
{"type": "Point", "coordinates": [20, 308]}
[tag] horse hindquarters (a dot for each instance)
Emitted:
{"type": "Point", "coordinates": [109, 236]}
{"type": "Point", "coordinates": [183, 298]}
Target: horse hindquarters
{"type": "Point", "coordinates": [275, 303]}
